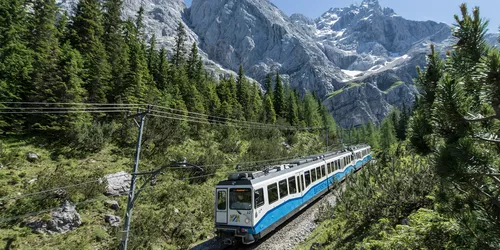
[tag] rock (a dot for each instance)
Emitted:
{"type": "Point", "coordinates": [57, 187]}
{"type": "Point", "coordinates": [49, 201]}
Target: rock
{"type": "Point", "coordinates": [63, 220]}
{"type": "Point", "coordinates": [32, 156]}
{"type": "Point", "coordinates": [284, 144]}
{"type": "Point", "coordinates": [118, 183]}
{"type": "Point", "coordinates": [113, 220]}
{"type": "Point", "coordinates": [60, 193]}
{"type": "Point", "coordinates": [112, 204]}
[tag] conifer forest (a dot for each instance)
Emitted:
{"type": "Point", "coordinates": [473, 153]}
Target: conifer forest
{"type": "Point", "coordinates": [74, 90]}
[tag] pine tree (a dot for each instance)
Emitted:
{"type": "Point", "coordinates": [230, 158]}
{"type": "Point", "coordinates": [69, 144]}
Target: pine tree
{"type": "Point", "coordinates": [116, 48]}
{"type": "Point", "coordinates": [152, 55]}
{"type": "Point", "coordinates": [268, 85]}
{"type": "Point", "coordinates": [87, 33]}
{"type": "Point", "coordinates": [387, 134]}
{"type": "Point", "coordinates": [269, 115]}
{"type": "Point", "coordinates": [402, 124]}
{"type": "Point", "coordinates": [312, 116]}
{"type": "Point", "coordinates": [179, 56]}
{"type": "Point", "coordinates": [242, 93]}
{"type": "Point", "coordinates": [45, 44]}
{"type": "Point", "coordinates": [139, 82]}
{"type": "Point", "coordinates": [293, 113]}
{"type": "Point", "coordinates": [192, 62]}
{"type": "Point", "coordinates": [279, 97]}
{"type": "Point", "coordinates": [160, 73]}
{"type": "Point", "coordinates": [15, 57]}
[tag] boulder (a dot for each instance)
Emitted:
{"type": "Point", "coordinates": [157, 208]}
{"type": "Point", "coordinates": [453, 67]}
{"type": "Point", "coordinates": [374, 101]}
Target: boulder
{"type": "Point", "coordinates": [113, 220]}
{"type": "Point", "coordinates": [32, 156]}
{"type": "Point", "coordinates": [285, 145]}
{"type": "Point", "coordinates": [112, 204]}
{"type": "Point", "coordinates": [62, 220]}
{"type": "Point", "coordinates": [118, 183]}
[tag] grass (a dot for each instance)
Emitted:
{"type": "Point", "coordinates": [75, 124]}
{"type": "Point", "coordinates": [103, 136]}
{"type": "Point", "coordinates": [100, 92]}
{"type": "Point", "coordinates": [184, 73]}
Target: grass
{"type": "Point", "coordinates": [393, 86]}
{"type": "Point", "coordinates": [346, 87]}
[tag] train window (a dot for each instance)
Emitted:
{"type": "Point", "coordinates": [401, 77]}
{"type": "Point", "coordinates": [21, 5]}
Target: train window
{"type": "Point", "coordinates": [258, 197]}
{"type": "Point", "coordinates": [313, 175]}
{"type": "Point", "coordinates": [221, 200]}
{"type": "Point", "coordinates": [323, 170]}
{"type": "Point", "coordinates": [283, 189]}
{"type": "Point", "coordinates": [302, 182]}
{"type": "Point", "coordinates": [272, 193]}
{"type": "Point", "coordinates": [299, 184]}
{"type": "Point", "coordinates": [308, 178]}
{"type": "Point", "coordinates": [240, 198]}
{"type": "Point", "coordinates": [292, 185]}
{"type": "Point", "coordinates": [318, 170]}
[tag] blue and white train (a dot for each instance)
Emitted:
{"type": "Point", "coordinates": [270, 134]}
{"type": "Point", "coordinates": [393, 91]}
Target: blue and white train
{"type": "Point", "coordinates": [249, 205]}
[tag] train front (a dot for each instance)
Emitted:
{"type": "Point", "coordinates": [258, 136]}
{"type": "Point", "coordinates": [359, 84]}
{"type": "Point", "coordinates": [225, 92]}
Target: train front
{"type": "Point", "coordinates": [234, 210]}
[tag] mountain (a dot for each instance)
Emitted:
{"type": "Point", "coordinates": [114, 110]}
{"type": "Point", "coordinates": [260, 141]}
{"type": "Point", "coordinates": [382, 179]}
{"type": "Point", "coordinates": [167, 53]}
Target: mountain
{"type": "Point", "coordinates": [360, 59]}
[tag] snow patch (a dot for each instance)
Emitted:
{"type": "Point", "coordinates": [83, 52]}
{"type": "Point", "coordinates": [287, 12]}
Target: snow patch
{"type": "Point", "coordinates": [352, 73]}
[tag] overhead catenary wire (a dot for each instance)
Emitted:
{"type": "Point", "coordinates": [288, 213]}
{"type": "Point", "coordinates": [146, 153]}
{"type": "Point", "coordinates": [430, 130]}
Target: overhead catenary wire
{"type": "Point", "coordinates": [115, 108]}
{"type": "Point", "coordinates": [126, 174]}
{"type": "Point", "coordinates": [6, 219]}
{"type": "Point", "coordinates": [212, 117]}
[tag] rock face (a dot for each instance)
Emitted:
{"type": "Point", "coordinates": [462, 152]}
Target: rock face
{"type": "Point", "coordinates": [63, 220]}
{"type": "Point", "coordinates": [118, 183]}
{"type": "Point", "coordinates": [363, 43]}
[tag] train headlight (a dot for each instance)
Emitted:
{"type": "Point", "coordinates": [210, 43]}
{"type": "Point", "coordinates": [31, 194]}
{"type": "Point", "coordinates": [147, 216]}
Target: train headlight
{"type": "Point", "coordinates": [247, 221]}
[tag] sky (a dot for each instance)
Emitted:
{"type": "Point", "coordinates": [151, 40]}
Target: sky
{"type": "Point", "coordinates": [436, 10]}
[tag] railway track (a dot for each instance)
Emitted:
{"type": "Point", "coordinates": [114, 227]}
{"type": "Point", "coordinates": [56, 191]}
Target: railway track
{"type": "Point", "coordinates": [287, 236]}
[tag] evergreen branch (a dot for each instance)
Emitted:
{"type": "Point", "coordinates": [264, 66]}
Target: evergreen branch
{"type": "Point", "coordinates": [482, 119]}
{"type": "Point", "coordinates": [486, 139]}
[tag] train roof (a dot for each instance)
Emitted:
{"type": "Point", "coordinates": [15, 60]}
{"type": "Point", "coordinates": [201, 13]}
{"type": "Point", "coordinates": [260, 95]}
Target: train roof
{"type": "Point", "coordinates": [248, 178]}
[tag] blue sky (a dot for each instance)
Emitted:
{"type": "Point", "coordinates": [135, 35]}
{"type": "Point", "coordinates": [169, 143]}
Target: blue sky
{"type": "Point", "coordinates": [437, 10]}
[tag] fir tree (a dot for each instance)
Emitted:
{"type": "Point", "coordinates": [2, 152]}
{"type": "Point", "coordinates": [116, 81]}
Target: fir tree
{"type": "Point", "coordinates": [116, 48]}
{"type": "Point", "coordinates": [402, 124]}
{"type": "Point", "coordinates": [387, 134]}
{"type": "Point", "coordinates": [293, 113]}
{"type": "Point", "coordinates": [15, 56]}
{"type": "Point", "coordinates": [160, 73]}
{"type": "Point", "coordinates": [138, 79]}
{"type": "Point", "coordinates": [269, 115]}
{"type": "Point", "coordinates": [242, 93]}
{"type": "Point", "coordinates": [268, 85]}
{"type": "Point", "coordinates": [179, 56]}
{"type": "Point", "coordinates": [279, 97]}
{"type": "Point", "coordinates": [86, 33]}
{"type": "Point", "coordinates": [312, 117]}
{"type": "Point", "coordinates": [192, 62]}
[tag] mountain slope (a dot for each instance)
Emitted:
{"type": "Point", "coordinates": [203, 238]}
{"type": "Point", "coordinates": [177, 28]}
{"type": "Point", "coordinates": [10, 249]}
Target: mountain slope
{"type": "Point", "coordinates": [360, 43]}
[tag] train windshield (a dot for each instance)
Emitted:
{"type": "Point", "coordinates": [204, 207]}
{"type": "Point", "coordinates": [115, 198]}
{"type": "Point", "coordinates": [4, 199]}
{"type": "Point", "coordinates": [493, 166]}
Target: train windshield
{"type": "Point", "coordinates": [240, 198]}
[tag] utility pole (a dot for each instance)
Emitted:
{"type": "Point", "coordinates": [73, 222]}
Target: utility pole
{"type": "Point", "coordinates": [130, 203]}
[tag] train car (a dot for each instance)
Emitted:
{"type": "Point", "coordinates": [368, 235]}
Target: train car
{"type": "Point", "coordinates": [249, 205]}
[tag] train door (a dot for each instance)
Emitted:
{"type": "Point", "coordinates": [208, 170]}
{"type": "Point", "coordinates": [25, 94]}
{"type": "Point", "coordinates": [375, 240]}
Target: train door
{"type": "Point", "coordinates": [221, 211]}
{"type": "Point", "coordinates": [299, 183]}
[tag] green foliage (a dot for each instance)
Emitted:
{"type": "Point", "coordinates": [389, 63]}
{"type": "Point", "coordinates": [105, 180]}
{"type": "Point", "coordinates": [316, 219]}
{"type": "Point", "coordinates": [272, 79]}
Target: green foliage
{"type": "Point", "coordinates": [376, 201]}
{"type": "Point", "coordinates": [279, 97]}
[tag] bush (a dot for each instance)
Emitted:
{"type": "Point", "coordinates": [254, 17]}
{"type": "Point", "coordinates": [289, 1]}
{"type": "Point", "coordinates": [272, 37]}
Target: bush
{"type": "Point", "coordinates": [88, 138]}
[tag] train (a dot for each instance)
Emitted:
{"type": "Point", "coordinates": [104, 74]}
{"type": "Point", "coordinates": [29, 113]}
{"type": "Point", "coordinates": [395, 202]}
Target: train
{"type": "Point", "coordinates": [250, 205]}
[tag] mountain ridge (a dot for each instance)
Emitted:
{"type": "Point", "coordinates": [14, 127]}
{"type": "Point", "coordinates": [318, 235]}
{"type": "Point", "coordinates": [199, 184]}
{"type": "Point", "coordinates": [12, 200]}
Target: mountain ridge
{"type": "Point", "coordinates": [359, 43]}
